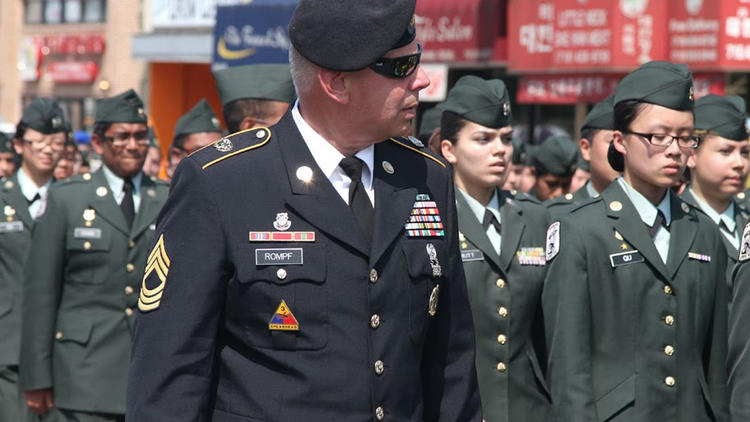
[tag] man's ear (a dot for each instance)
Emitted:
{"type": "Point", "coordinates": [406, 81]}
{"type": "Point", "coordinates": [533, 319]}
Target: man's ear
{"type": "Point", "coordinates": [585, 146]}
{"type": "Point", "coordinates": [18, 146]}
{"type": "Point", "coordinates": [96, 143]}
{"type": "Point", "coordinates": [248, 122]}
{"type": "Point", "coordinates": [334, 85]}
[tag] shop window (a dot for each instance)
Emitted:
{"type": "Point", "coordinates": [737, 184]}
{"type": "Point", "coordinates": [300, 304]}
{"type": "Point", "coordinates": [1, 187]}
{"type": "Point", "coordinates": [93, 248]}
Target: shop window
{"type": "Point", "coordinates": [34, 9]}
{"type": "Point", "coordinates": [73, 11]}
{"type": "Point", "coordinates": [94, 11]}
{"type": "Point", "coordinates": [64, 11]}
{"type": "Point", "coordinates": [53, 11]}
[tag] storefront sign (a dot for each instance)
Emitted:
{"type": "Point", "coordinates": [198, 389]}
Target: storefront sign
{"type": "Point", "coordinates": [78, 44]}
{"type": "Point", "coordinates": [252, 33]}
{"type": "Point", "coordinates": [458, 31]}
{"type": "Point", "coordinates": [187, 13]}
{"type": "Point", "coordinates": [72, 72]}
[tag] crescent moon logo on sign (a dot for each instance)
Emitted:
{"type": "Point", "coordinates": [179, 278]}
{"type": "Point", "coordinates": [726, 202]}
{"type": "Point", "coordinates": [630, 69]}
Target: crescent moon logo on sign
{"type": "Point", "coordinates": [226, 53]}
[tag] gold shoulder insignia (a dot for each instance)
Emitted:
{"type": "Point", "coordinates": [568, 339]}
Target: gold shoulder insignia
{"type": "Point", "coordinates": [227, 145]}
{"type": "Point", "coordinates": [158, 266]}
{"type": "Point", "coordinates": [411, 148]}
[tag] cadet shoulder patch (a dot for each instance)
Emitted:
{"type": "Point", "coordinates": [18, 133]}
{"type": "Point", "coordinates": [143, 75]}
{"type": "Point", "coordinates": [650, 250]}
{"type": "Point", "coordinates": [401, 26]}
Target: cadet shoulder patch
{"type": "Point", "coordinates": [401, 142]}
{"type": "Point", "coordinates": [234, 144]}
{"type": "Point", "coordinates": [745, 244]}
{"type": "Point", "coordinates": [553, 240]}
{"type": "Point", "coordinates": [157, 268]}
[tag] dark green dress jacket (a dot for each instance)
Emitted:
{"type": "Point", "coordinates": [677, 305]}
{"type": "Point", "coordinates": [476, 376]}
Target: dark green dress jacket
{"type": "Point", "coordinates": [15, 241]}
{"type": "Point", "coordinates": [562, 205]}
{"type": "Point", "coordinates": [505, 293]}
{"type": "Point", "coordinates": [631, 338]}
{"type": "Point", "coordinates": [81, 288]}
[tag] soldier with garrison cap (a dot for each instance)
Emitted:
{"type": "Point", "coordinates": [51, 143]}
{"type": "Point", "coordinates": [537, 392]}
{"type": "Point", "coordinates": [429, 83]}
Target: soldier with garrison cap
{"type": "Point", "coordinates": [87, 259]}
{"type": "Point", "coordinates": [254, 95]}
{"type": "Point", "coordinates": [635, 299]}
{"type": "Point", "coordinates": [429, 128]}
{"type": "Point", "coordinates": [194, 130]}
{"type": "Point", "coordinates": [501, 238]}
{"type": "Point", "coordinates": [310, 271]}
{"type": "Point", "coordinates": [8, 159]}
{"type": "Point", "coordinates": [40, 138]}
{"type": "Point", "coordinates": [514, 177]}
{"type": "Point", "coordinates": [553, 163]}
{"type": "Point", "coordinates": [596, 135]}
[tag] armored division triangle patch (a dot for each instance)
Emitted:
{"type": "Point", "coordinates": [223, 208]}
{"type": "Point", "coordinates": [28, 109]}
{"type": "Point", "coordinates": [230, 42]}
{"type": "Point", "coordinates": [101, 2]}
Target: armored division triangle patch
{"type": "Point", "coordinates": [283, 319]}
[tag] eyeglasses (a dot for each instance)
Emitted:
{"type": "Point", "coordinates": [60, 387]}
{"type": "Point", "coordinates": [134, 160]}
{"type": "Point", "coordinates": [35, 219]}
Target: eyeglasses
{"type": "Point", "coordinates": [40, 144]}
{"type": "Point", "coordinates": [398, 67]}
{"type": "Point", "coordinates": [120, 139]}
{"type": "Point", "coordinates": [664, 141]}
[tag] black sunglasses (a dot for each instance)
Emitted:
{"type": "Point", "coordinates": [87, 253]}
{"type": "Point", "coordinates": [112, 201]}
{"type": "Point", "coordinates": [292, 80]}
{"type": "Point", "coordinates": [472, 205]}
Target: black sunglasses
{"type": "Point", "coordinates": [398, 67]}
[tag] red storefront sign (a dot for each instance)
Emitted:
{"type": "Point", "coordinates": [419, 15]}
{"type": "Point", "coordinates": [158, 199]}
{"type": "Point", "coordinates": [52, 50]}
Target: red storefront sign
{"type": "Point", "coordinates": [584, 35]}
{"type": "Point", "coordinates": [588, 88]}
{"type": "Point", "coordinates": [460, 31]}
{"type": "Point", "coordinates": [81, 44]}
{"type": "Point", "coordinates": [72, 72]}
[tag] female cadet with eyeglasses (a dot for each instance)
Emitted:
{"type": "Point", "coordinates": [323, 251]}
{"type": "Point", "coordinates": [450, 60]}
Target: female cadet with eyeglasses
{"type": "Point", "coordinates": [634, 300]}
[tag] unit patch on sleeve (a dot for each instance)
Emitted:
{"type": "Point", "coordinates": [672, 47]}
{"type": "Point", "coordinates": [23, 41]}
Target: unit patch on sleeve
{"type": "Point", "coordinates": [283, 319]}
{"type": "Point", "coordinates": [157, 268]}
{"type": "Point", "coordinates": [553, 240]}
{"type": "Point", "coordinates": [745, 244]}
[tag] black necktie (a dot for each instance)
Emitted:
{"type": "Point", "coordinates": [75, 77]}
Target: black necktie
{"type": "Point", "coordinates": [489, 218]}
{"type": "Point", "coordinates": [127, 206]}
{"type": "Point", "coordinates": [359, 202]}
{"type": "Point", "coordinates": [660, 221]}
{"type": "Point", "coordinates": [34, 199]}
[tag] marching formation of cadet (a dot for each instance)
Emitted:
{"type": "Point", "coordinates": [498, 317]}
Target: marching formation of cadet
{"type": "Point", "coordinates": [318, 263]}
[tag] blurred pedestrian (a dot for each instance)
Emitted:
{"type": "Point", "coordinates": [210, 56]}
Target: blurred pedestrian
{"type": "Point", "coordinates": [152, 165]}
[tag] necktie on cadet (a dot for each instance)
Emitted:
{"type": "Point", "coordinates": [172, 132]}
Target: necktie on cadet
{"type": "Point", "coordinates": [489, 218]}
{"type": "Point", "coordinates": [359, 202]}
{"type": "Point", "coordinates": [127, 206]}
{"type": "Point", "coordinates": [659, 222]}
{"type": "Point", "coordinates": [723, 226]}
{"type": "Point", "coordinates": [34, 199]}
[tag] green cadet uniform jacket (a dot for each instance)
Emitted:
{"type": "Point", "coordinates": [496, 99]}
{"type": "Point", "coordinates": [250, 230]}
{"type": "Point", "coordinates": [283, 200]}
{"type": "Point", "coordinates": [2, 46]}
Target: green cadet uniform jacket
{"type": "Point", "coordinates": [631, 338]}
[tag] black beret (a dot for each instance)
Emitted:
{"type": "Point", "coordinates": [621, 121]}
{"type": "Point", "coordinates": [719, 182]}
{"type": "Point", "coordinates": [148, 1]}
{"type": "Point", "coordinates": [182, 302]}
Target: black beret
{"type": "Point", "coordinates": [482, 101]}
{"type": "Point", "coordinates": [430, 121]}
{"type": "Point", "coordinates": [723, 116]}
{"type": "Point", "coordinates": [662, 83]}
{"type": "Point", "coordinates": [200, 118]}
{"type": "Point", "coordinates": [123, 108]}
{"type": "Point", "coordinates": [558, 154]}
{"type": "Point", "coordinates": [349, 35]}
{"type": "Point", "coordinates": [602, 115]}
{"type": "Point", "coordinates": [257, 81]}
{"type": "Point", "coordinates": [44, 115]}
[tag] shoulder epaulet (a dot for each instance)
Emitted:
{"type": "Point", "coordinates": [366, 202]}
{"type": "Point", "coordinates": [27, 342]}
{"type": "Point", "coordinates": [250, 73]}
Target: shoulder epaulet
{"type": "Point", "coordinates": [410, 145]}
{"type": "Point", "coordinates": [584, 203]}
{"type": "Point", "coordinates": [231, 145]}
{"type": "Point", "coordinates": [159, 182]}
{"type": "Point", "coordinates": [566, 199]}
{"type": "Point", "coordinates": [8, 185]}
{"type": "Point", "coordinates": [77, 178]}
{"type": "Point", "coordinates": [523, 196]}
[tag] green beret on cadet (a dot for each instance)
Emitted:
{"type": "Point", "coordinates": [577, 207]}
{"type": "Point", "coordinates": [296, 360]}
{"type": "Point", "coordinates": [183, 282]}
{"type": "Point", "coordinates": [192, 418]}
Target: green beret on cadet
{"type": "Point", "coordinates": [200, 118]}
{"type": "Point", "coordinates": [602, 115]}
{"type": "Point", "coordinates": [482, 101]}
{"type": "Point", "coordinates": [123, 108]}
{"type": "Point", "coordinates": [44, 115]}
{"type": "Point", "coordinates": [359, 39]}
{"type": "Point", "coordinates": [558, 155]}
{"type": "Point", "coordinates": [257, 81]}
{"type": "Point", "coordinates": [519, 151]}
{"type": "Point", "coordinates": [722, 115]}
{"type": "Point", "coordinates": [661, 83]}
{"type": "Point", "coordinates": [430, 121]}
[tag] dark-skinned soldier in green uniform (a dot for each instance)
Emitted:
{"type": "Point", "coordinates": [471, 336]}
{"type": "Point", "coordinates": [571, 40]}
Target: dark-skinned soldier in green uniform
{"type": "Point", "coordinates": [39, 139]}
{"type": "Point", "coordinates": [194, 130]}
{"type": "Point", "coordinates": [88, 256]}
{"type": "Point", "coordinates": [554, 163]}
{"type": "Point", "coordinates": [596, 135]}
{"type": "Point", "coordinates": [634, 300]}
{"type": "Point", "coordinates": [501, 237]}
{"type": "Point", "coordinates": [8, 159]}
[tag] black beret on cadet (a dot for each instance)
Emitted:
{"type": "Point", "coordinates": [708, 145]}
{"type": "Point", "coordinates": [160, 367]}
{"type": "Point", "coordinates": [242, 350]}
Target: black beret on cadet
{"type": "Point", "coordinates": [482, 101]}
{"type": "Point", "coordinates": [349, 35]}
{"type": "Point", "coordinates": [602, 115]}
{"type": "Point", "coordinates": [200, 118]}
{"type": "Point", "coordinates": [123, 108]}
{"type": "Point", "coordinates": [44, 115]}
{"type": "Point", "coordinates": [722, 115]}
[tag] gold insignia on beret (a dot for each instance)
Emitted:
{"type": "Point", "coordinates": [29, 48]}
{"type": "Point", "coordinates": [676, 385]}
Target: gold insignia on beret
{"type": "Point", "coordinates": [506, 109]}
{"type": "Point", "coordinates": [388, 167]}
{"type": "Point", "coordinates": [223, 145]}
{"type": "Point", "coordinates": [101, 191]}
{"type": "Point", "coordinates": [685, 207]}
{"type": "Point", "coordinates": [615, 205]}
{"type": "Point", "coordinates": [691, 93]}
{"type": "Point", "coordinates": [157, 265]}
{"type": "Point", "coordinates": [86, 176]}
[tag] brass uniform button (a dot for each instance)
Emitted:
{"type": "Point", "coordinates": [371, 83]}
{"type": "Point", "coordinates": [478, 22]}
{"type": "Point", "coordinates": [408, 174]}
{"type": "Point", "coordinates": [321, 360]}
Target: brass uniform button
{"type": "Point", "coordinates": [667, 290]}
{"type": "Point", "coordinates": [375, 321]}
{"type": "Point", "coordinates": [379, 367]}
{"type": "Point", "coordinates": [502, 339]}
{"type": "Point", "coordinates": [128, 290]}
{"type": "Point", "coordinates": [501, 367]}
{"type": "Point", "coordinates": [379, 413]}
{"type": "Point", "coordinates": [129, 311]}
{"type": "Point", "coordinates": [131, 244]}
{"type": "Point", "coordinates": [669, 320]}
{"type": "Point", "coordinates": [130, 267]}
{"type": "Point", "coordinates": [281, 273]}
{"type": "Point", "coordinates": [59, 335]}
{"type": "Point", "coordinates": [502, 311]}
{"type": "Point", "coordinates": [568, 196]}
{"type": "Point", "coordinates": [670, 381]}
{"type": "Point", "coordinates": [373, 276]}
{"type": "Point", "coordinates": [500, 283]}
{"type": "Point", "coordinates": [87, 245]}
{"type": "Point", "coordinates": [669, 350]}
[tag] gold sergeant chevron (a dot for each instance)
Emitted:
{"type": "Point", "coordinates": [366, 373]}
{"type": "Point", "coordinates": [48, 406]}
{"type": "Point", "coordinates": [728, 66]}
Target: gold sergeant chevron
{"type": "Point", "coordinates": [157, 264]}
